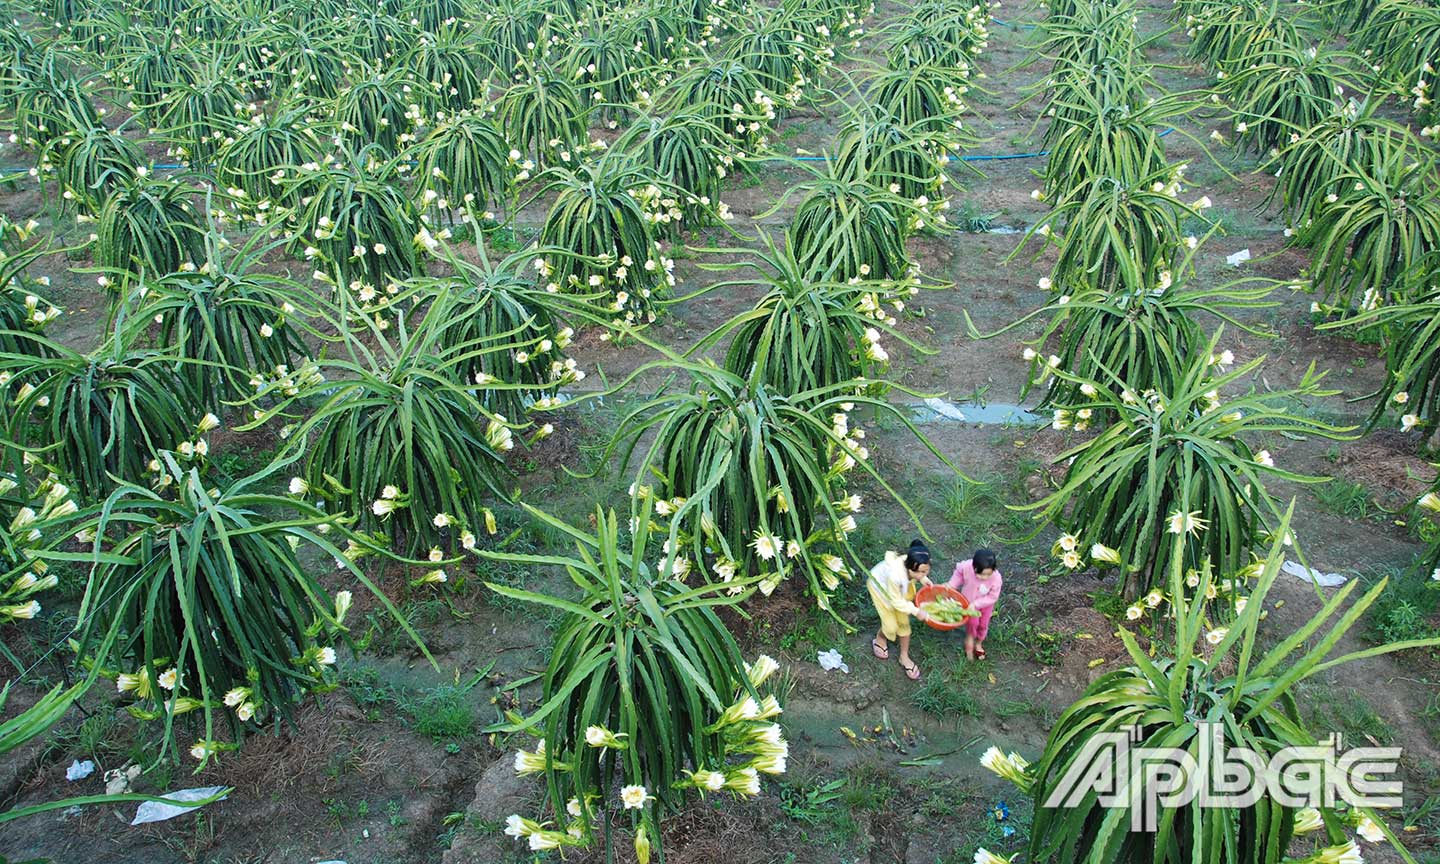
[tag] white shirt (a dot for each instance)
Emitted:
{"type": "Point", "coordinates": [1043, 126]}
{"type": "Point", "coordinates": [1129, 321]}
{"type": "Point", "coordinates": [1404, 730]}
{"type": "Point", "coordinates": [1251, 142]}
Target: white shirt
{"type": "Point", "coordinates": [889, 581]}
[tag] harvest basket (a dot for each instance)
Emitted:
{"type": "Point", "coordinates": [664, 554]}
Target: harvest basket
{"type": "Point", "coordinates": [935, 592]}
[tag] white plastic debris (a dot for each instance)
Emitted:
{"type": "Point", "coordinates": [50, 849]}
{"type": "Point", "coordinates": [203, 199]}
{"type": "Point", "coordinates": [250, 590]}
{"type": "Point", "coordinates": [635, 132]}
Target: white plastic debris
{"type": "Point", "coordinates": [118, 780]}
{"type": "Point", "coordinates": [1238, 258]}
{"type": "Point", "coordinates": [1305, 574]}
{"type": "Point", "coordinates": [944, 409]}
{"type": "Point", "coordinates": [831, 660]}
{"type": "Point", "coordinates": [159, 811]}
{"type": "Point", "coordinates": [79, 770]}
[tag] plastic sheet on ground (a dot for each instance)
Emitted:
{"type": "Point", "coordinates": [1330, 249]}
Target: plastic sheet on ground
{"type": "Point", "coordinates": [1306, 574]}
{"type": "Point", "coordinates": [944, 409]}
{"type": "Point", "coordinates": [159, 811]}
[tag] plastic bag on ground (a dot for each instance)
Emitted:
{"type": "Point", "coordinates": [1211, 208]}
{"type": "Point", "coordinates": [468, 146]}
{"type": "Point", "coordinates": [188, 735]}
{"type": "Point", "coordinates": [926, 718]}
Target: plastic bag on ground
{"type": "Point", "coordinates": [944, 409]}
{"type": "Point", "coordinates": [79, 770]}
{"type": "Point", "coordinates": [1305, 574]}
{"type": "Point", "coordinates": [159, 811]}
{"type": "Point", "coordinates": [831, 660]}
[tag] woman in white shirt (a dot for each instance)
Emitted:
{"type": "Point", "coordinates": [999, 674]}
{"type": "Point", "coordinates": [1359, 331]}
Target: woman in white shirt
{"type": "Point", "coordinates": [892, 584]}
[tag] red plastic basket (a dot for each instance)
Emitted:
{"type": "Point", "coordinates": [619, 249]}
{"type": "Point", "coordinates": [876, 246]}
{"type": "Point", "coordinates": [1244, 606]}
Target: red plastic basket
{"type": "Point", "coordinates": [933, 592]}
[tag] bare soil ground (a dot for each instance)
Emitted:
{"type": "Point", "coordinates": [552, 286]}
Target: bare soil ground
{"type": "Point", "coordinates": [356, 779]}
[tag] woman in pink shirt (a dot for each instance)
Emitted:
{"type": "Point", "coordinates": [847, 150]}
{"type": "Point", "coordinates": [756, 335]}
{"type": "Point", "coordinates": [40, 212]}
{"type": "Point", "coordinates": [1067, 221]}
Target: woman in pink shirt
{"type": "Point", "coordinates": [979, 580]}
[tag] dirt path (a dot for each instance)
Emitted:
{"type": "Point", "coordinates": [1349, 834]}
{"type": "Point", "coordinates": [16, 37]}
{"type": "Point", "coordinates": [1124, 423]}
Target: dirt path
{"type": "Point", "coordinates": [385, 770]}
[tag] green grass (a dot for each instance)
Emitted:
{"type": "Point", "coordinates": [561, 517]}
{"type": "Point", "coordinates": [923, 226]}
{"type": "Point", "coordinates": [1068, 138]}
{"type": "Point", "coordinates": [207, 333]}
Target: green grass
{"type": "Point", "coordinates": [73, 578]}
{"type": "Point", "coordinates": [969, 217]}
{"type": "Point", "coordinates": [1109, 604]}
{"type": "Point", "coordinates": [753, 179]}
{"type": "Point", "coordinates": [1345, 498]}
{"type": "Point", "coordinates": [94, 734]}
{"type": "Point", "coordinates": [341, 811]}
{"type": "Point", "coordinates": [1025, 468]}
{"type": "Point", "coordinates": [978, 514]}
{"type": "Point", "coordinates": [811, 802]}
{"type": "Point", "coordinates": [392, 813]}
{"type": "Point", "coordinates": [1408, 609]}
{"type": "Point", "coordinates": [814, 630]}
{"type": "Point", "coordinates": [451, 826]}
{"type": "Point", "coordinates": [824, 810]}
{"type": "Point", "coordinates": [979, 397]}
{"type": "Point", "coordinates": [967, 501]}
{"type": "Point", "coordinates": [1367, 336]}
{"type": "Point", "coordinates": [442, 712]}
{"type": "Point", "coordinates": [1005, 707]}
{"type": "Point", "coordinates": [1004, 836]}
{"type": "Point", "coordinates": [885, 422]}
{"type": "Point", "coordinates": [508, 574]}
{"type": "Point", "coordinates": [1344, 711]}
{"type": "Point", "coordinates": [1204, 174]}
{"type": "Point", "coordinates": [503, 240]}
{"type": "Point", "coordinates": [519, 533]}
{"type": "Point", "coordinates": [868, 786]}
{"type": "Point", "coordinates": [1430, 716]}
{"type": "Point", "coordinates": [1232, 222]}
{"type": "Point", "coordinates": [995, 836]}
{"type": "Point", "coordinates": [243, 462]}
{"type": "Point", "coordinates": [941, 797]}
{"type": "Point", "coordinates": [815, 805]}
{"type": "Point", "coordinates": [943, 693]}
{"type": "Point", "coordinates": [1403, 621]}
{"type": "Point", "coordinates": [98, 737]}
{"type": "Point", "coordinates": [386, 638]}
{"type": "Point", "coordinates": [1014, 632]}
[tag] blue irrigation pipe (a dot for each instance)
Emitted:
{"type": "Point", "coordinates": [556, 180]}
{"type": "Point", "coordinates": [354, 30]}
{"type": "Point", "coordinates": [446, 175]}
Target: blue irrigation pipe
{"type": "Point", "coordinates": [1008, 24]}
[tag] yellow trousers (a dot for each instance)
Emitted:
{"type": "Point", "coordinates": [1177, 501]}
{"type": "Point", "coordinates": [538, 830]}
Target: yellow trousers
{"type": "Point", "coordinates": [893, 623]}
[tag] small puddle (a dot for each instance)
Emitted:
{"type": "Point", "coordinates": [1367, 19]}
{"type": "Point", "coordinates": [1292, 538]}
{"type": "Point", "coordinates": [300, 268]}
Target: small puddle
{"type": "Point", "coordinates": [935, 410]}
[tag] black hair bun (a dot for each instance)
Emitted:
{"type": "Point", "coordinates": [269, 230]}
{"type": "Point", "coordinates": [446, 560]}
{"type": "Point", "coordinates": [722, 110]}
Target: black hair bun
{"type": "Point", "coordinates": [918, 554]}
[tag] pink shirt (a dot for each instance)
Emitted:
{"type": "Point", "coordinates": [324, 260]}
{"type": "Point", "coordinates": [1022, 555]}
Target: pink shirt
{"type": "Point", "coordinates": [982, 593]}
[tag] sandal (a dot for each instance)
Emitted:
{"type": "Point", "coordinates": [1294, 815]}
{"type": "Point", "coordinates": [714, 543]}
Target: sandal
{"type": "Point", "coordinates": [880, 650]}
{"type": "Point", "coordinates": [979, 653]}
{"type": "Point", "coordinates": [912, 671]}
